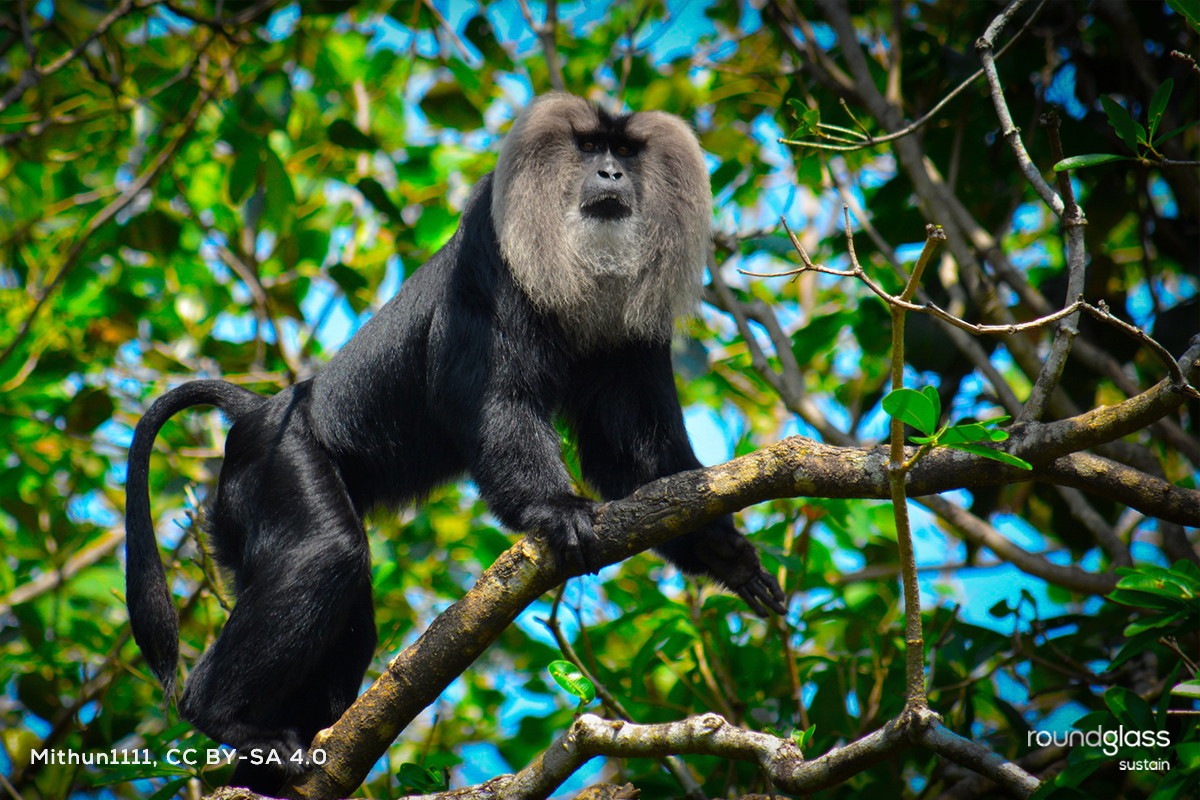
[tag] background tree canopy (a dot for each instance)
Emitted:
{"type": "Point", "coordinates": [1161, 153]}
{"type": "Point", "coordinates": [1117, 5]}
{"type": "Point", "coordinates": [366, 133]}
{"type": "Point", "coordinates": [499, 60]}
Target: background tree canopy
{"type": "Point", "coordinates": [198, 188]}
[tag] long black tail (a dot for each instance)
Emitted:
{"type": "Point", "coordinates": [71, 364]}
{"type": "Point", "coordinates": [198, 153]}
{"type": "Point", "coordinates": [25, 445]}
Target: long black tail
{"type": "Point", "coordinates": [151, 610]}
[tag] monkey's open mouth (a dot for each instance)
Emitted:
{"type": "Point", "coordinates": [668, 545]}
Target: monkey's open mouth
{"type": "Point", "coordinates": [606, 207]}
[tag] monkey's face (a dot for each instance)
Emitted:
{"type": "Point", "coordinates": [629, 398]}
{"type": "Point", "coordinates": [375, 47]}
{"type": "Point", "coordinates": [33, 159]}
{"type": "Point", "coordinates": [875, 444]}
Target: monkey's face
{"type": "Point", "coordinates": [608, 190]}
{"type": "Point", "coordinates": [604, 222]}
{"type": "Point", "coordinates": [603, 219]}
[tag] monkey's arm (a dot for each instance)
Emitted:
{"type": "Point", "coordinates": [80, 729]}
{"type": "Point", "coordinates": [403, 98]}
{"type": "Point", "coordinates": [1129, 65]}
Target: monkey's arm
{"type": "Point", "coordinates": [629, 426]}
{"type": "Point", "coordinates": [497, 387]}
{"type": "Point", "coordinates": [518, 469]}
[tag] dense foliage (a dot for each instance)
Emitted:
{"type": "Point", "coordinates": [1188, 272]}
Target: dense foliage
{"type": "Point", "coordinates": [204, 188]}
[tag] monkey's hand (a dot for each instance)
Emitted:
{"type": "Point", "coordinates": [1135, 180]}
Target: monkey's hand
{"type": "Point", "coordinates": [567, 526]}
{"type": "Point", "coordinates": [720, 552]}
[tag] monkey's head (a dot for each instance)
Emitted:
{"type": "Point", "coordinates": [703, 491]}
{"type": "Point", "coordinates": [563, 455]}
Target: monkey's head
{"type": "Point", "coordinates": [603, 220]}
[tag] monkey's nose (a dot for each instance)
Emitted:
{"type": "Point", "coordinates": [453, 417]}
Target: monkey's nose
{"type": "Point", "coordinates": [611, 171]}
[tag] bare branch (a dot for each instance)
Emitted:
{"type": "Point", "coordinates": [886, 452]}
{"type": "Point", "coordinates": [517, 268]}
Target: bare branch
{"type": "Point", "coordinates": [790, 384]}
{"type": "Point", "coordinates": [979, 532]}
{"type": "Point", "coordinates": [1009, 130]}
{"type": "Point", "coordinates": [546, 33]}
{"type": "Point", "coordinates": [1073, 222]}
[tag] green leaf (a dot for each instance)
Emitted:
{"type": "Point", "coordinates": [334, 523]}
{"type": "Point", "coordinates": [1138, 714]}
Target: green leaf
{"type": "Point", "coordinates": [573, 681]}
{"type": "Point", "coordinates": [1155, 621]}
{"type": "Point", "coordinates": [807, 737]}
{"type": "Point", "coordinates": [994, 455]}
{"type": "Point", "coordinates": [377, 196]}
{"type": "Point", "coordinates": [344, 134]}
{"type": "Point", "coordinates": [244, 174]}
{"type": "Point", "coordinates": [353, 285]}
{"type": "Point", "coordinates": [1136, 599]}
{"type": "Point", "coordinates": [88, 410]}
{"type": "Point", "coordinates": [1133, 646]}
{"type": "Point", "coordinates": [1186, 571]}
{"type": "Point", "coordinates": [1188, 689]}
{"type": "Point", "coordinates": [1158, 104]}
{"type": "Point", "coordinates": [1090, 160]}
{"type": "Point", "coordinates": [1188, 10]}
{"type": "Point", "coordinates": [1129, 708]}
{"type": "Point", "coordinates": [422, 779]}
{"type": "Point", "coordinates": [1168, 136]}
{"type": "Point", "coordinates": [913, 408]}
{"type": "Point", "coordinates": [154, 232]}
{"type": "Point", "coordinates": [808, 119]}
{"type": "Point", "coordinates": [1122, 123]}
{"type": "Point", "coordinates": [280, 193]}
{"type": "Point", "coordinates": [931, 393]}
{"type": "Point", "coordinates": [966, 433]}
{"type": "Point", "coordinates": [170, 789]}
{"type": "Point", "coordinates": [447, 106]}
{"type": "Point", "coordinates": [480, 33]}
{"type": "Point", "coordinates": [1168, 583]}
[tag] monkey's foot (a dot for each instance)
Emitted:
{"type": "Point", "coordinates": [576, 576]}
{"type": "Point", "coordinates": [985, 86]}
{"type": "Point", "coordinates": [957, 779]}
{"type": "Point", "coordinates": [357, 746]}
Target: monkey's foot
{"type": "Point", "coordinates": [762, 593]}
{"type": "Point", "coordinates": [728, 557]}
{"type": "Point", "coordinates": [266, 766]}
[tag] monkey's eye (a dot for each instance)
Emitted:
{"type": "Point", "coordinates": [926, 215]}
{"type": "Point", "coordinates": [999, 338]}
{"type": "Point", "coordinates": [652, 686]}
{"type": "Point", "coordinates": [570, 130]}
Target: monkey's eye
{"type": "Point", "coordinates": [625, 150]}
{"type": "Point", "coordinates": [588, 146]}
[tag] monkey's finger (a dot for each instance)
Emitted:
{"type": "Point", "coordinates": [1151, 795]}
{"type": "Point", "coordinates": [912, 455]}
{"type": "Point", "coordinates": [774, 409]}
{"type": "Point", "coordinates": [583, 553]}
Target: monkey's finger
{"type": "Point", "coordinates": [761, 593]}
{"type": "Point", "coordinates": [755, 607]}
{"type": "Point", "coordinates": [750, 596]}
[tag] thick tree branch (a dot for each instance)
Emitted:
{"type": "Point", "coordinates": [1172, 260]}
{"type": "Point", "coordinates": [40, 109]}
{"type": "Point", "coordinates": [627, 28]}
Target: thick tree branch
{"type": "Point", "coordinates": [710, 734]}
{"type": "Point", "coordinates": [1100, 476]}
{"type": "Point", "coordinates": [659, 511]}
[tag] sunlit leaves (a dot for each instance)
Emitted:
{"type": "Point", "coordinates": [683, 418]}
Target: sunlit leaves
{"type": "Point", "coordinates": [923, 409]}
{"type": "Point", "coordinates": [572, 681]}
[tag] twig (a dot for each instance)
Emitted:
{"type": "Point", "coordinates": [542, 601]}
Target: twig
{"type": "Point", "coordinates": [1073, 221]}
{"type": "Point", "coordinates": [546, 36]}
{"type": "Point", "coordinates": [1100, 311]}
{"type": "Point", "coordinates": [983, 46]}
{"type": "Point", "coordinates": [448, 29]}
{"type": "Point", "coordinates": [868, 140]}
{"type": "Point", "coordinates": [790, 383]}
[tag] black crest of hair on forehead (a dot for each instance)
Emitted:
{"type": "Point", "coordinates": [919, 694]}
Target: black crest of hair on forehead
{"type": "Point", "coordinates": [612, 124]}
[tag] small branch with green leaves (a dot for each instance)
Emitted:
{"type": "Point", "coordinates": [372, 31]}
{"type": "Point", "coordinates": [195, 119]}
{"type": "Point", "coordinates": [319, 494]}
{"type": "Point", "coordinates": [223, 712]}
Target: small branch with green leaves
{"type": "Point", "coordinates": [847, 140]}
{"type": "Point", "coordinates": [1140, 140]}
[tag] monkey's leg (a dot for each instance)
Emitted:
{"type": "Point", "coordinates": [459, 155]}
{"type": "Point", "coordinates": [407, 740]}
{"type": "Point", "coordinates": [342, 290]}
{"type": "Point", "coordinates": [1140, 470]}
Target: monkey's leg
{"type": "Point", "coordinates": [291, 655]}
{"type": "Point", "coordinates": [324, 696]}
{"type": "Point", "coordinates": [719, 551]}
